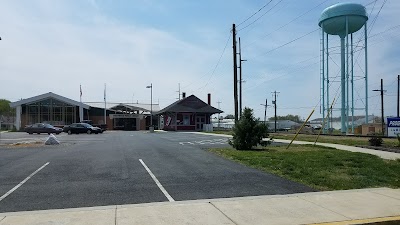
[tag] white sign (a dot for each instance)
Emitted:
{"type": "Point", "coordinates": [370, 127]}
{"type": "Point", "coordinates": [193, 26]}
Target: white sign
{"type": "Point", "coordinates": [393, 125]}
{"type": "Point", "coordinates": [113, 116]}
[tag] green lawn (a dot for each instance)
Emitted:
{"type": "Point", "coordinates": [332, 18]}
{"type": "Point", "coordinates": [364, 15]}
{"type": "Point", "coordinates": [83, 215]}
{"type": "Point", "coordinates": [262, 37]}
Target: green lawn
{"type": "Point", "coordinates": [344, 140]}
{"type": "Point", "coordinates": [319, 167]}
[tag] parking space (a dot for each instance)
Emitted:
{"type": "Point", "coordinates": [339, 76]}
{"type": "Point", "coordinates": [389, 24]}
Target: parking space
{"type": "Point", "coordinates": [120, 167]}
{"type": "Point", "coordinates": [22, 137]}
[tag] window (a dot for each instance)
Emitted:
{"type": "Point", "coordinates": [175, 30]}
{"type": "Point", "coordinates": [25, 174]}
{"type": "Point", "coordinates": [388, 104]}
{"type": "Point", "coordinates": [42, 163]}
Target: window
{"type": "Point", "coordinates": [186, 120]}
{"type": "Point", "coordinates": [50, 111]}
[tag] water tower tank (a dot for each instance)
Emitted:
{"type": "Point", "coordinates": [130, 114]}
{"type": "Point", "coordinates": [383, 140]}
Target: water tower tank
{"type": "Point", "coordinates": [343, 20]}
{"type": "Point", "coordinates": [333, 18]}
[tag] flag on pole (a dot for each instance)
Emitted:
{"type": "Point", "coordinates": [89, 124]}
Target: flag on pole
{"type": "Point", "coordinates": [80, 89]}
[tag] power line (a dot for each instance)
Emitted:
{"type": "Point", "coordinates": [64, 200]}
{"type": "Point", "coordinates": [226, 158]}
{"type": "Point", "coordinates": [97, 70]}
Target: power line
{"type": "Point", "coordinates": [260, 16]}
{"type": "Point", "coordinates": [283, 45]}
{"type": "Point", "coordinates": [296, 18]}
{"type": "Point", "coordinates": [213, 71]}
{"type": "Point", "coordinates": [216, 66]}
{"type": "Point", "coordinates": [254, 13]}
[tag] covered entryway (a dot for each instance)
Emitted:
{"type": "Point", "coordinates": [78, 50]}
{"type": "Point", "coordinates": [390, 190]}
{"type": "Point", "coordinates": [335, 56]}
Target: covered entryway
{"type": "Point", "coordinates": [126, 121]}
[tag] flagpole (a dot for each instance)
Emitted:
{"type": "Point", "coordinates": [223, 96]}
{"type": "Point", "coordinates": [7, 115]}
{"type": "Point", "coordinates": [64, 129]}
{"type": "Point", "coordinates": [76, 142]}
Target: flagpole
{"type": "Point", "coordinates": [80, 107]}
{"type": "Point", "coordinates": [105, 105]}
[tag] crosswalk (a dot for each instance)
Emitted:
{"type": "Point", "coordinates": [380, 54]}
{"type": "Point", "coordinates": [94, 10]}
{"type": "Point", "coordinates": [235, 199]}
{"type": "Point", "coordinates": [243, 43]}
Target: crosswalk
{"type": "Point", "coordinates": [221, 141]}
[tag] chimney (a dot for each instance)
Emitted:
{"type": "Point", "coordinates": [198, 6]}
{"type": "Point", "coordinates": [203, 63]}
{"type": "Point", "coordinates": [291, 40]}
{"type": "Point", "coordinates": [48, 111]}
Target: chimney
{"type": "Point", "coordinates": [183, 94]}
{"type": "Point", "coordinates": [209, 98]}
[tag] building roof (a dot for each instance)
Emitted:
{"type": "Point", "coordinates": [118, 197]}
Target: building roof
{"type": "Point", "coordinates": [122, 106]}
{"type": "Point", "coordinates": [190, 104]}
{"type": "Point", "coordinates": [45, 96]}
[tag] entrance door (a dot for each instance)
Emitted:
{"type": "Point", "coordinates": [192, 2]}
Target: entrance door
{"type": "Point", "coordinates": [130, 124]}
{"type": "Point", "coordinates": [125, 124]}
{"type": "Point", "coordinates": [200, 120]}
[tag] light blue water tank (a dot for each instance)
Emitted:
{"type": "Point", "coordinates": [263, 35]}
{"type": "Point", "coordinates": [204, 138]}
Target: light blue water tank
{"type": "Point", "coordinates": [333, 18]}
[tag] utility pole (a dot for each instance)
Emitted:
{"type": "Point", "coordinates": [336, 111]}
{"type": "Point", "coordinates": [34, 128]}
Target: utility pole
{"type": "Point", "coordinates": [240, 78]}
{"type": "Point", "coordinates": [179, 91]}
{"type": "Point", "coordinates": [265, 111]}
{"type": "Point", "coordinates": [219, 102]}
{"type": "Point", "coordinates": [274, 102]}
{"type": "Point", "coordinates": [383, 119]}
{"type": "Point", "coordinates": [235, 81]}
{"type": "Point", "coordinates": [398, 95]}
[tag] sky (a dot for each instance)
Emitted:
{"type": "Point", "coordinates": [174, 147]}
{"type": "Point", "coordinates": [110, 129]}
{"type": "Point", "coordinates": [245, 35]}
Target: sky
{"type": "Point", "coordinates": [58, 45]}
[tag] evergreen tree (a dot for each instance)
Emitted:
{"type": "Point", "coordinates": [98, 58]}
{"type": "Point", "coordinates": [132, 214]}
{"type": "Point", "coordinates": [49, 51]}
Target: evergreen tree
{"type": "Point", "coordinates": [248, 132]}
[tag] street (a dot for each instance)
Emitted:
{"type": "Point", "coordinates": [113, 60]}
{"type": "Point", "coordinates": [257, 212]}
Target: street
{"type": "Point", "coordinates": [120, 167]}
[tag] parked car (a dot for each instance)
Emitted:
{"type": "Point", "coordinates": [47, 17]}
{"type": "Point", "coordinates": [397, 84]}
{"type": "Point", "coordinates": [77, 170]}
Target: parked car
{"type": "Point", "coordinates": [42, 128]}
{"type": "Point", "coordinates": [102, 126]}
{"type": "Point", "coordinates": [77, 128]}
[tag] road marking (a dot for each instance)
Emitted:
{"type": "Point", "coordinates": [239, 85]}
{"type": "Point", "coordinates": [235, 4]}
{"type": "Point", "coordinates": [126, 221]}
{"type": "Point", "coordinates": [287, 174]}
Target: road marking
{"type": "Point", "coordinates": [22, 182]}
{"type": "Point", "coordinates": [209, 142]}
{"type": "Point", "coordinates": [157, 182]}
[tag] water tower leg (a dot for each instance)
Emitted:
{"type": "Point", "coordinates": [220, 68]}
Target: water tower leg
{"type": "Point", "coordinates": [366, 72]}
{"type": "Point", "coordinates": [347, 74]}
{"type": "Point", "coordinates": [343, 84]}
{"type": "Point", "coordinates": [352, 85]}
{"type": "Point", "coordinates": [323, 77]}
{"type": "Point", "coordinates": [327, 78]}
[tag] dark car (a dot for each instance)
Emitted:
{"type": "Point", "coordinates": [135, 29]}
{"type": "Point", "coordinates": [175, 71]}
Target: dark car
{"type": "Point", "coordinates": [42, 128]}
{"type": "Point", "coordinates": [102, 126]}
{"type": "Point", "coordinates": [77, 128]}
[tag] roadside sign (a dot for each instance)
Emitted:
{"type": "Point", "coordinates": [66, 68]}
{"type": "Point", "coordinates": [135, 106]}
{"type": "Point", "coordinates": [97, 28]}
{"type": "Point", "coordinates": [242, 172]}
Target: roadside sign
{"type": "Point", "coordinates": [393, 125]}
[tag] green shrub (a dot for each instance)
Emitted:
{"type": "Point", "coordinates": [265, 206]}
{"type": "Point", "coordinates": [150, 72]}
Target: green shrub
{"type": "Point", "coordinates": [375, 140]}
{"type": "Point", "coordinates": [248, 132]}
{"type": "Point", "coordinates": [398, 139]}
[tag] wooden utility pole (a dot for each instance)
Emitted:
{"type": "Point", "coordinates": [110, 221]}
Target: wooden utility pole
{"type": "Point", "coordinates": [274, 102]}
{"type": "Point", "coordinates": [235, 72]}
{"type": "Point", "coordinates": [383, 118]}
{"type": "Point", "coordinates": [235, 81]}
{"type": "Point", "coordinates": [240, 79]}
{"type": "Point", "coordinates": [382, 115]}
{"type": "Point", "coordinates": [265, 112]}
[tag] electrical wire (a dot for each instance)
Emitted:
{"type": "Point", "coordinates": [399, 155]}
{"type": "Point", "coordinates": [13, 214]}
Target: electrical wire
{"type": "Point", "coordinates": [215, 67]}
{"type": "Point", "coordinates": [296, 18]}
{"type": "Point", "coordinates": [260, 17]}
{"type": "Point", "coordinates": [255, 13]}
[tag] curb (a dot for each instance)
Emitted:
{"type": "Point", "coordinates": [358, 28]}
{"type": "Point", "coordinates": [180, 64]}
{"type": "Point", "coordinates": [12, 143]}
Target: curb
{"type": "Point", "coordinates": [389, 220]}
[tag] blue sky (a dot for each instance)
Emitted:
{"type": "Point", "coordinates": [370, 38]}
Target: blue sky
{"type": "Point", "coordinates": [58, 45]}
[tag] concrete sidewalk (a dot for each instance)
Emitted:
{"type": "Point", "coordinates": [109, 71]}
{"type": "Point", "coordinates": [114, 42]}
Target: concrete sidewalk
{"type": "Point", "coordinates": [306, 208]}
{"type": "Point", "coordinates": [382, 154]}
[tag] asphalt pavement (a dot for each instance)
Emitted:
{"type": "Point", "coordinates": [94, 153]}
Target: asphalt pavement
{"type": "Point", "coordinates": [116, 168]}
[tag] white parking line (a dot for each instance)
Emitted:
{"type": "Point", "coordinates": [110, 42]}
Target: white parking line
{"type": "Point", "coordinates": [22, 182]}
{"type": "Point", "coordinates": [157, 182]}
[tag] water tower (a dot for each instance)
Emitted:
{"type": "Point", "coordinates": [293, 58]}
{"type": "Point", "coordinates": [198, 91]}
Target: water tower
{"type": "Point", "coordinates": [343, 19]}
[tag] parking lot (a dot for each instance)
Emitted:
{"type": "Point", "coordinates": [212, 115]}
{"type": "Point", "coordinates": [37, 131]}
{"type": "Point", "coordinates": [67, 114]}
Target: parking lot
{"type": "Point", "coordinates": [119, 167]}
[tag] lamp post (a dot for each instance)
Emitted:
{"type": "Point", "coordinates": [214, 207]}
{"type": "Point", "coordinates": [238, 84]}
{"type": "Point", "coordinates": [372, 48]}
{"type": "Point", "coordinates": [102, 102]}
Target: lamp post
{"type": "Point", "coordinates": [151, 105]}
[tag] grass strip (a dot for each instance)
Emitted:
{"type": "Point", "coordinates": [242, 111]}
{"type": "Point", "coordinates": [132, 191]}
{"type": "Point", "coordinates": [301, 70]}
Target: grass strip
{"type": "Point", "coordinates": [321, 168]}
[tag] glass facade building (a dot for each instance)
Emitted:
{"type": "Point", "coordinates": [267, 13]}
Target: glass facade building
{"type": "Point", "coordinates": [50, 111]}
